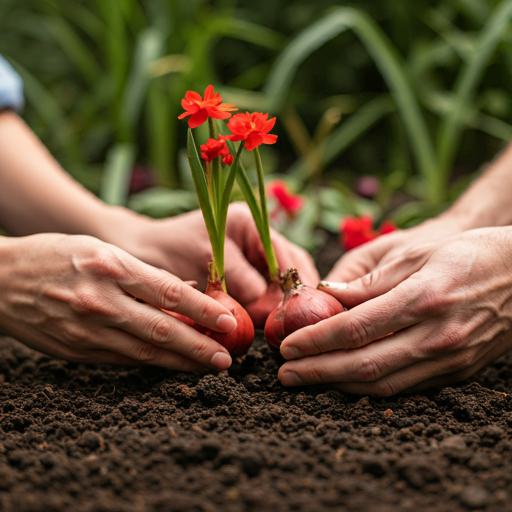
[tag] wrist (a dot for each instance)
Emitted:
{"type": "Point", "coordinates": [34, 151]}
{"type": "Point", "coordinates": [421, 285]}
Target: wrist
{"type": "Point", "coordinates": [120, 226]}
{"type": "Point", "coordinates": [461, 219]}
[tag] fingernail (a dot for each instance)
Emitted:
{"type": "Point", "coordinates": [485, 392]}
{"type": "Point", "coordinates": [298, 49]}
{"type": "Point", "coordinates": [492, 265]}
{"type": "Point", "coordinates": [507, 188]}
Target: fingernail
{"type": "Point", "coordinates": [332, 285]}
{"type": "Point", "coordinates": [226, 323]}
{"type": "Point", "coordinates": [221, 360]}
{"type": "Point", "coordinates": [291, 379]}
{"type": "Point", "coordinates": [291, 352]}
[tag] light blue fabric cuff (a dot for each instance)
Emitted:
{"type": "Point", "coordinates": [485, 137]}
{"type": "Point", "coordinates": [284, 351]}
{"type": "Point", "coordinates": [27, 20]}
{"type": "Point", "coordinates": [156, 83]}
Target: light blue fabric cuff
{"type": "Point", "coordinates": [11, 87]}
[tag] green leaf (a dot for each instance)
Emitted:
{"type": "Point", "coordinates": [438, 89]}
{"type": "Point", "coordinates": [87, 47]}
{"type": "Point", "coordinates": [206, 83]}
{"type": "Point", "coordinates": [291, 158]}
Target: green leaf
{"type": "Point", "coordinates": [76, 50]}
{"type": "Point", "coordinates": [389, 63]}
{"type": "Point", "coordinates": [467, 82]}
{"type": "Point", "coordinates": [148, 48]}
{"type": "Point", "coordinates": [204, 200]}
{"type": "Point", "coordinates": [342, 137]}
{"type": "Point", "coordinates": [117, 174]}
{"type": "Point", "coordinates": [247, 31]}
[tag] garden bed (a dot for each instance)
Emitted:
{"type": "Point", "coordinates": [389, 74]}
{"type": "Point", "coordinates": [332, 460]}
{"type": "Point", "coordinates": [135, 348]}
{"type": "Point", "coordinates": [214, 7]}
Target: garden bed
{"type": "Point", "coordinates": [117, 439]}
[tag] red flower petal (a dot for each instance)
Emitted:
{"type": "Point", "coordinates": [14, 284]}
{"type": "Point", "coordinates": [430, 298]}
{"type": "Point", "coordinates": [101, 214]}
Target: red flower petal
{"type": "Point", "coordinates": [210, 106]}
{"type": "Point", "coordinates": [193, 97]}
{"type": "Point", "coordinates": [198, 118]}
{"type": "Point", "coordinates": [208, 93]}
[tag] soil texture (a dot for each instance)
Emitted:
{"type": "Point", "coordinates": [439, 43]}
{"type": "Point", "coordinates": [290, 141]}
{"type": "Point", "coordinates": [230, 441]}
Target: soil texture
{"type": "Point", "coordinates": [82, 438]}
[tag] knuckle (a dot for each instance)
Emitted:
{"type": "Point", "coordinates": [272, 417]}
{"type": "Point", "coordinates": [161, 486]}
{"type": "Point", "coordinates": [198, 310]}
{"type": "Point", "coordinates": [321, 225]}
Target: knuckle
{"type": "Point", "coordinates": [462, 361]}
{"type": "Point", "coordinates": [311, 342]}
{"type": "Point", "coordinates": [86, 302]}
{"type": "Point", "coordinates": [208, 310]}
{"type": "Point", "coordinates": [75, 334]}
{"type": "Point", "coordinates": [383, 388]}
{"type": "Point", "coordinates": [413, 254]}
{"type": "Point", "coordinates": [146, 353]}
{"type": "Point", "coordinates": [436, 298]}
{"type": "Point", "coordinates": [357, 332]}
{"type": "Point", "coordinates": [452, 338]}
{"type": "Point", "coordinates": [104, 263]}
{"type": "Point", "coordinates": [200, 351]}
{"type": "Point", "coordinates": [367, 369]}
{"type": "Point", "coordinates": [171, 293]}
{"type": "Point", "coordinates": [160, 330]}
{"type": "Point", "coordinates": [313, 373]}
{"type": "Point", "coordinates": [368, 280]}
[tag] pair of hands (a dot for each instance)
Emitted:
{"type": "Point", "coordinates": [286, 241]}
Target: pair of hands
{"type": "Point", "coordinates": [72, 297]}
{"type": "Point", "coordinates": [428, 307]}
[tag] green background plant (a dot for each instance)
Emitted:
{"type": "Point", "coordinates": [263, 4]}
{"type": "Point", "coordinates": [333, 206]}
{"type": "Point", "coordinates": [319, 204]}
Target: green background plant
{"type": "Point", "coordinates": [414, 93]}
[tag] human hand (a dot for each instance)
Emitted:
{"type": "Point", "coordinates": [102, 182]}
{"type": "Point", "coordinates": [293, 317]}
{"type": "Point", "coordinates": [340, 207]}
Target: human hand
{"type": "Point", "coordinates": [73, 297]}
{"type": "Point", "coordinates": [181, 246]}
{"type": "Point", "coordinates": [377, 253]}
{"type": "Point", "coordinates": [435, 315]}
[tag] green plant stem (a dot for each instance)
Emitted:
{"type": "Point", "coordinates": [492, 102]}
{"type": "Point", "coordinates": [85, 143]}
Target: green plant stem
{"type": "Point", "coordinates": [215, 169]}
{"type": "Point", "coordinates": [205, 204]}
{"type": "Point", "coordinates": [265, 234]}
{"type": "Point", "coordinates": [224, 197]}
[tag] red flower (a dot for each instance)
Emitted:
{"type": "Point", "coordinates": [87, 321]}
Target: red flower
{"type": "Point", "coordinates": [388, 226]}
{"type": "Point", "coordinates": [199, 110]}
{"type": "Point", "coordinates": [252, 128]}
{"type": "Point", "coordinates": [286, 200]}
{"type": "Point", "coordinates": [216, 148]}
{"type": "Point", "coordinates": [357, 231]}
{"type": "Point", "coordinates": [228, 159]}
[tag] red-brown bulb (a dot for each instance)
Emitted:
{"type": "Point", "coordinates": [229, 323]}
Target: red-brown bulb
{"type": "Point", "coordinates": [300, 307]}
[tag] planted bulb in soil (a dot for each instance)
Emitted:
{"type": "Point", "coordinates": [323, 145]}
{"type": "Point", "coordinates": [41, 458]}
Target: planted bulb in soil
{"type": "Point", "coordinates": [260, 309]}
{"type": "Point", "coordinates": [301, 306]}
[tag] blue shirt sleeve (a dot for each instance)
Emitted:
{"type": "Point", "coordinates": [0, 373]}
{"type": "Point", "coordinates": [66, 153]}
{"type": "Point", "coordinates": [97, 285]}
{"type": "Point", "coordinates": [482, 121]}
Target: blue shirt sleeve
{"type": "Point", "coordinates": [11, 87]}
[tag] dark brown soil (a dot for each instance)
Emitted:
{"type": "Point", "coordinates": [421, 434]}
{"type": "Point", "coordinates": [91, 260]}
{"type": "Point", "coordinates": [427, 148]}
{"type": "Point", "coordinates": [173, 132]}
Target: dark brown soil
{"type": "Point", "coordinates": [81, 438]}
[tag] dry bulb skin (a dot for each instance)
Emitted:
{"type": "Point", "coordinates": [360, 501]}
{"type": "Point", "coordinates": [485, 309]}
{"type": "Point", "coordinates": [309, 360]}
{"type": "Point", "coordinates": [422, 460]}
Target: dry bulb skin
{"type": "Point", "coordinates": [301, 306]}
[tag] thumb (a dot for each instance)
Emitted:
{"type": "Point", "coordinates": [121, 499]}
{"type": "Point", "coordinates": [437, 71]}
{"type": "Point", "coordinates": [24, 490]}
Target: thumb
{"type": "Point", "coordinates": [245, 284]}
{"type": "Point", "coordinates": [358, 262]}
{"type": "Point", "coordinates": [379, 281]}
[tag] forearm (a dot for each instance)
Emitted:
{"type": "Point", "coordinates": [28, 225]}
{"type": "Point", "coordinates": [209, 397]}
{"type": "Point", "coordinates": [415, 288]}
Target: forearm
{"type": "Point", "coordinates": [488, 202]}
{"type": "Point", "coordinates": [36, 194]}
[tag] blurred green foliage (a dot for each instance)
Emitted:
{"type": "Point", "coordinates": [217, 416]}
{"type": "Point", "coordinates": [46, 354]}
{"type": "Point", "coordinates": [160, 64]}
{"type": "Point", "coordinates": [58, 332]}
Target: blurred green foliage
{"type": "Point", "coordinates": [414, 93]}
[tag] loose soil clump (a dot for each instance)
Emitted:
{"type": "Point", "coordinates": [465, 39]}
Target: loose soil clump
{"type": "Point", "coordinates": [119, 439]}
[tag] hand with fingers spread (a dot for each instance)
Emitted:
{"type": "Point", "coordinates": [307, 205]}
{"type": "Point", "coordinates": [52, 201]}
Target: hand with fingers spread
{"type": "Point", "coordinates": [435, 315]}
{"type": "Point", "coordinates": [73, 297]}
{"type": "Point", "coordinates": [377, 253]}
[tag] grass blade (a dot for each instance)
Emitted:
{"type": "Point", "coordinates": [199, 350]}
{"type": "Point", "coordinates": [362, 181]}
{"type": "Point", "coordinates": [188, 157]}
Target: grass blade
{"type": "Point", "coordinates": [149, 47]}
{"type": "Point", "coordinates": [389, 63]}
{"type": "Point", "coordinates": [467, 82]}
{"type": "Point", "coordinates": [346, 134]}
{"type": "Point", "coordinates": [117, 174]}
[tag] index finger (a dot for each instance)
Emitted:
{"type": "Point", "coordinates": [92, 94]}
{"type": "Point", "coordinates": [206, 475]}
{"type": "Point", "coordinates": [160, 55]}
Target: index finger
{"type": "Point", "coordinates": [357, 327]}
{"type": "Point", "coordinates": [165, 291]}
